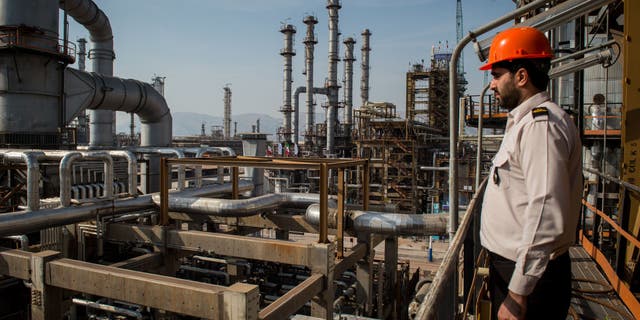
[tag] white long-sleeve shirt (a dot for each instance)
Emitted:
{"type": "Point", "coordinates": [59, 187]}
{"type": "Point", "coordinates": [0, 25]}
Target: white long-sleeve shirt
{"type": "Point", "coordinates": [532, 201]}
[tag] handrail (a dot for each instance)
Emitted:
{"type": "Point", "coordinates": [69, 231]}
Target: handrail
{"type": "Point", "coordinates": [14, 38]}
{"type": "Point", "coordinates": [435, 292]}
{"type": "Point", "coordinates": [615, 225]}
{"type": "Point", "coordinates": [625, 184]}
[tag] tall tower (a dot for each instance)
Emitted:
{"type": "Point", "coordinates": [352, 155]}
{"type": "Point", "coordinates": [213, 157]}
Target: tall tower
{"type": "Point", "coordinates": [227, 111]}
{"type": "Point", "coordinates": [459, 32]}
{"type": "Point", "coordinates": [333, 6]}
{"type": "Point", "coordinates": [287, 52]}
{"type": "Point", "coordinates": [364, 82]}
{"type": "Point", "coordinates": [348, 83]}
{"type": "Point", "coordinates": [309, 44]}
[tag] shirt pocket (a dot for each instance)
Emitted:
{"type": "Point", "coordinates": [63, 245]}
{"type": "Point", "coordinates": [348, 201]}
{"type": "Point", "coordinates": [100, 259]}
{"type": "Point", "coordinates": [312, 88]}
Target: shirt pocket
{"type": "Point", "coordinates": [500, 172]}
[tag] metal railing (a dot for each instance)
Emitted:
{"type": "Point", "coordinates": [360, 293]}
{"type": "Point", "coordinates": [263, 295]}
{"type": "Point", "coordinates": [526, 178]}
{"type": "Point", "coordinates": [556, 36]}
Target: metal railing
{"type": "Point", "coordinates": [16, 37]}
{"type": "Point", "coordinates": [441, 297]}
{"type": "Point", "coordinates": [322, 165]}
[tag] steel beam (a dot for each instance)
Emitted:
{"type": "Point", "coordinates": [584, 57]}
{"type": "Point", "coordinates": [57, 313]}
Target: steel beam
{"type": "Point", "coordinates": [15, 263]}
{"type": "Point", "coordinates": [358, 252]}
{"type": "Point", "coordinates": [294, 299]}
{"type": "Point", "coordinates": [267, 221]}
{"type": "Point", "coordinates": [228, 245]}
{"type": "Point", "coordinates": [239, 301]}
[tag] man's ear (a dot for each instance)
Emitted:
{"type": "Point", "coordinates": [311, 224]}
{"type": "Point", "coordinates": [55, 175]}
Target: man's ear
{"type": "Point", "coordinates": [522, 77]}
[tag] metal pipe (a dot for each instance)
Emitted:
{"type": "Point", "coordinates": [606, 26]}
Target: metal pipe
{"type": "Point", "coordinates": [238, 208]}
{"type": "Point", "coordinates": [479, 141]}
{"type": "Point", "coordinates": [383, 222]}
{"type": "Point", "coordinates": [309, 42]}
{"type": "Point", "coordinates": [132, 169]}
{"type": "Point", "coordinates": [364, 82]}
{"type": "Point", "coordinates": [108, 171]}
{"type": "Point", "coordinates": [107, 308]}
{"type": "Point", "coordinates": [453, 104]}
{"type": "Point", "coordinates": [65, 167]}
{"type": "Point", "coordinates": [23, 222]}
{"type": "Point", "coordinates": [545, 21]}
{"type": "Point", "coordinates": [287, 52]}
{"type": "Point", "coordinates": [164, 151]}
{"type": "Point", "coordinates": [296, 104]}
{"type": "Point", "coordinates": [94, 91]}
{"type": "Point", "coordinates": [87, 13]}
{"type": "Point", "coordinates": [333, 6]}
{"type": "Point", "coordinates": [30, 158]}
{"type": "Point", "coordinates": [348, 83]}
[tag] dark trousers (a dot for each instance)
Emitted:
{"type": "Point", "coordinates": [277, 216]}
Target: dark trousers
{"type": "Point", "coordinates": [551, 296]}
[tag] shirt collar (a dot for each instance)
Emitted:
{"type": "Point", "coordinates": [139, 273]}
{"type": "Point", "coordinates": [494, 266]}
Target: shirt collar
{"type": "Point", "coordinates": [521, 110]}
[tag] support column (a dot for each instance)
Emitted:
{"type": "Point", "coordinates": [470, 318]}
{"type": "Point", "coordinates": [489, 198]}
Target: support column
{"type": "Point", "coordinates": [322, 262]}
{"type": "Point", "coordinates": [391, 272]}
{"type": "Point", "coordinates": [46, 301]}
{"type": "Point", "coordinates": [364, 277]}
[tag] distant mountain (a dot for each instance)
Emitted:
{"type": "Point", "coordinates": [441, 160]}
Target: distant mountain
{"type": "Point", "coordinates": [190, 123]}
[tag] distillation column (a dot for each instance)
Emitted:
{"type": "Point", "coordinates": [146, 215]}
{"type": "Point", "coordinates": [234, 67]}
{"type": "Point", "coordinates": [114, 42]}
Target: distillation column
{"type": "Point", "coordinates": [30, 78]}
{"type": "Point", "coordinates": [348, 84]}
{"type": "Point", "coordinates": [332, 83]}
{"type": "Point", "coordinates": [287, 52]}
{"type": "Point", "coordinates": [227, 112]}
{"type": "Point", "coordinates": [364, 82]}
{"type": "Point", "coordinates": [310, 41]}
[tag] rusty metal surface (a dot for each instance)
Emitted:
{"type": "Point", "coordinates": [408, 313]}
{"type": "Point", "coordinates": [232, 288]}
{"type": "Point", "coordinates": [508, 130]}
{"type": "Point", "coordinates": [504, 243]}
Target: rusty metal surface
{"type": "Point", "coordinates": [15, 263]}
{"type": "Point", "coordinates": [357, 252]}
{"type": "Point", "coordinates": [294, 299]}
{"type": "Point", "coordinates": [162, 292]}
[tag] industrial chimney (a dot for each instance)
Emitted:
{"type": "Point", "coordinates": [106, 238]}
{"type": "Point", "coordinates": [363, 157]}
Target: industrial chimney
{"type": "Point", "coordinates": [364, 83]}
{"type": "Point", "coordinates": [348, 83]}
{"type": "Point", "coordinates": [332, 82]}
{"type": "Point", "coordinates": [287, 52]}
{"type": "Point", "coordinates": [227, 112]}
{"type": "Point", "coordinates": [310, 41]}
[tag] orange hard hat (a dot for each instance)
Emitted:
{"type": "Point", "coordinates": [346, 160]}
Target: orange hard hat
{"type": "Point", "coordinates": [518, 43]}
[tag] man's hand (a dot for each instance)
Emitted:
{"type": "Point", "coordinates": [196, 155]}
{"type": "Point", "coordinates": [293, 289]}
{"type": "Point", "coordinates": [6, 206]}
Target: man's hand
{"type": "Point", "coordinates": [514, 307]}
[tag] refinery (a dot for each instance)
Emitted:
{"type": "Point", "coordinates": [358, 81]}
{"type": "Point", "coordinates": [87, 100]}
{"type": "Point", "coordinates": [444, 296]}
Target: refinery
{"type": "Point", "coordinates": [370, 211]}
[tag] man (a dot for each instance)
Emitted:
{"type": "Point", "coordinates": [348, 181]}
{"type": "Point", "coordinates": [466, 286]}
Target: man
{"type": "Point", "coordinates": [532, 201]}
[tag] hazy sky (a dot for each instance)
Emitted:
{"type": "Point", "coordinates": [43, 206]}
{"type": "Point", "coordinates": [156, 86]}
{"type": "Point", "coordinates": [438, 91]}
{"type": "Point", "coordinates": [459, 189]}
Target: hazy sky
{"type": "Point", "coordinates": [201, 45]}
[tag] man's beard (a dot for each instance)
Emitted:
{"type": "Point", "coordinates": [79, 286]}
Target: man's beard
{"type": "Point", "coordinates": [510, 98]}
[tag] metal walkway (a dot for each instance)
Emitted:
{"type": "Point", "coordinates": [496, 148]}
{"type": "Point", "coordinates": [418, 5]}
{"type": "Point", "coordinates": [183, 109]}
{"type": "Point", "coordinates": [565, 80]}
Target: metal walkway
{"type": "Point", "coordinates": [593, 296]}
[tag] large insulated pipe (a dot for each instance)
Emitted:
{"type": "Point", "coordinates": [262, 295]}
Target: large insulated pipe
{"type": "Point", "coordinates": [94, 91]}
{"type": "Point", "coordinates": [178, 153]}
{"type": "Point", "coordinates": [310, 41]}
{"type": "Point", "coordinates": [364, 81]}
{"type": "Point", "coordinates": [66, 165]}
{"type": "Point", "coordinates": [26, 222]}
{"type": "Point", "coordinates": [227, 112]}
{"type": "Point", "coordinates": [383, 222]}
{"type": "Point", "coordinates": [333, 6]}
{"type": "Point", "coordinates": [348, 83]}
{"type": "Point", "coordinates": [87, 13]}
{"type": "Point", "coordinates": [239, 208]}
{"type": "Point", "coordinates": [132, 169]}
{"type": "Point", "coordinates": [287, 52]}
{"type": "Point", "coordinates": [30, 158]}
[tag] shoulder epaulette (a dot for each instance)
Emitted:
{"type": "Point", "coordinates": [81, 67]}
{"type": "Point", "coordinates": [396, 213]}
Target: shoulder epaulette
{"type": "Point", "coordinates": [539, 111]}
